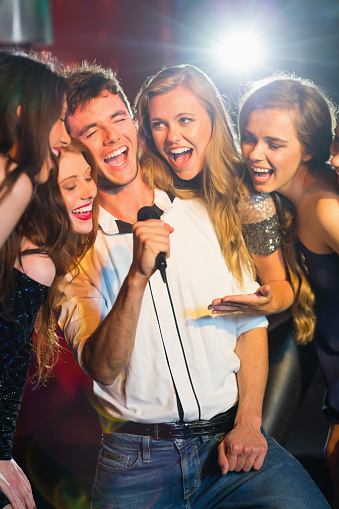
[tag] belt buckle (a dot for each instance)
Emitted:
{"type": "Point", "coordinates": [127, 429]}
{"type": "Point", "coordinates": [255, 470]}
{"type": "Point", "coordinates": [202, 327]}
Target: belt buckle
{"type": "Point", "coordinates": [156, 432]}
{"type": "Point", "coordinates": [186, 429]}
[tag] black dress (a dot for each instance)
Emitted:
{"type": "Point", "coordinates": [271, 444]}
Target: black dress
{"type": "Point", "coordinates": [15, 352]}
{"type": "Point", "coordinates": [323, 272]}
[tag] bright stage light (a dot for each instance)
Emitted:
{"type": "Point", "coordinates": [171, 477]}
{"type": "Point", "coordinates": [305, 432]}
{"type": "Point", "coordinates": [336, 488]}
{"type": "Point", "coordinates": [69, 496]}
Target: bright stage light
{"type": "Point", "coordinates": [240, 51]}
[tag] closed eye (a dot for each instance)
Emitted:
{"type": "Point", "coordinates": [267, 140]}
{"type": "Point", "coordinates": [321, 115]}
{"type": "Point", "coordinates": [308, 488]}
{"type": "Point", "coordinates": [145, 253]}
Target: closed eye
{"type": "Point", "coordinates": [274, 146]}
{"type": "Point", "coordinates": [89, 135]}
{"type": "Point", "coordinates": [246, 138]}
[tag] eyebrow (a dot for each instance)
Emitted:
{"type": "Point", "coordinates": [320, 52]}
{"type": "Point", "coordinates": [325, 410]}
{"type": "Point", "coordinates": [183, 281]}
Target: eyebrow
{"type": "Point", "coordinates": [267, 138]}
{"type": "Point", "coordinates": [74, 176]}
{"type": "Point", "coordinates": [152, 119]}
{"type": "Point", "coordinates": [95, 124]}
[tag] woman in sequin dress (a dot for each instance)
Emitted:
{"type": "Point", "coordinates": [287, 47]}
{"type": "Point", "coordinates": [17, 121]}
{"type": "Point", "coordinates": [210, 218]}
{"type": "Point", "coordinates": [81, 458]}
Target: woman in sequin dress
{"type": "Point", "coordinates": [40, 247]}
{"type": "Point", "coordinates": [286, 127]}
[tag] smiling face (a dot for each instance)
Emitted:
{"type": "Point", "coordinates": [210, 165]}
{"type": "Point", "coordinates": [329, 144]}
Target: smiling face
{"type": "Point", "coordinates": [271, 150]}
{"type": "Point", "coordinates": [335, 150]}
{"type": "Point", "coordinates": [77, 189]}
{"type": "Point", "coordinates": [58, 138]}
{"type": "Point", "coordinates": [181, 130]}
{"type": "Point", "coordinates": [105, 126]}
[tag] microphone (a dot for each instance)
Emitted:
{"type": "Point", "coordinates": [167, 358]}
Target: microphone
{"type": "Point", "coordinates": [144, 214]}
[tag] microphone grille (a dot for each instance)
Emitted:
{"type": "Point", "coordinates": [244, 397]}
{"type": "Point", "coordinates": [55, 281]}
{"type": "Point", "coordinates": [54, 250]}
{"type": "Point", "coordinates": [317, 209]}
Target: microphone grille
{"type": "Point", "coordinates": [146, 213]}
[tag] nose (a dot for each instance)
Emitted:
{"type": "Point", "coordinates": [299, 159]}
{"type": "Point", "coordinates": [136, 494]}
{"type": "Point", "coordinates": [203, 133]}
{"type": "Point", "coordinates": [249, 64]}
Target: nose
{"type": "Point", "coordinates": [335, 153]}
{"type": "Point", "coordinates": [173, 134]}
{"type": "Point", "coordinates": [334, 148]}
{"type": "Point", "coordinates": [111, 135]}
{"type": "Point", "coordinates": [65, 137]}
{"type": "Point", "coordinates": [256, 153]}
{"type": "Point", "coordinates": [88, 190]}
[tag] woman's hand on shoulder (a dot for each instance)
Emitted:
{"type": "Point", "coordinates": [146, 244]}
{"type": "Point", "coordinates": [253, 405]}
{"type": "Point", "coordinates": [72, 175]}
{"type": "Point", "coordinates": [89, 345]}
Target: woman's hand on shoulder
{"type": "Point", "coordinates": [37, 266]}
{"type": "Point", "coordinates": [15, 485]}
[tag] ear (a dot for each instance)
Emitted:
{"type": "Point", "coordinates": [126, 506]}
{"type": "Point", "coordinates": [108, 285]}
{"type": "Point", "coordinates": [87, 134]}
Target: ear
{"type": "Point", "coordinates": [307, 157]}
{"type": "Point", "coordinates": [18, 110]}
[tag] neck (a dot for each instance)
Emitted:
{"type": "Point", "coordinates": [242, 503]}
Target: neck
{"type": "Point", "coordinates": [295, 189]}
{"type": "Point", "coordinates": [193, 183]}
{"type": "Point", "coordinates": [125, 203]}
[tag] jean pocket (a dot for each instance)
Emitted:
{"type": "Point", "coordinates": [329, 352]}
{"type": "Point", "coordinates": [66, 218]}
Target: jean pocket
{"type": "Point", "coordinates": [116, 461]}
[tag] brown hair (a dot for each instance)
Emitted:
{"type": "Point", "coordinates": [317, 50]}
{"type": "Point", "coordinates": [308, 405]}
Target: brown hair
{"type": "Point", "coordinates": [88, 81]}
{"type": "Point", "coordinates": [222, 170]}
{"type": "Point", "coordinates": [75, 246]}
{"type": "Point", "coordinates": [47, 225]}
{"type": "Point", "coordinates": [39, 90]}
{"type": "Point", "coordinates": [314, 121]}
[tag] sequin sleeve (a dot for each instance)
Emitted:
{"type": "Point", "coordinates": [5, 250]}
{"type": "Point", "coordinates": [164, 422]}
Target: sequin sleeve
{"type": "Point", "coordinates": [258, 216]}
{"type": "Point", "coordinates": [15, 353]}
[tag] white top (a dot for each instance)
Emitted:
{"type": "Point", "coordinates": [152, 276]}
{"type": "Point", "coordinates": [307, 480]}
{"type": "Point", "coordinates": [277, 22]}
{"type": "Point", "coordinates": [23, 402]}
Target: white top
{"type": "Point", "coordinates": [196, 273]}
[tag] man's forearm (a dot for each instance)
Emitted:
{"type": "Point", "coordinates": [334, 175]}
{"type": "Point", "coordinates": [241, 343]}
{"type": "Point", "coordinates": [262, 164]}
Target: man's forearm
{"type": "Point", "coordinates": [109, 348]}
{"type": "Point", "coordinates": [252, 350]}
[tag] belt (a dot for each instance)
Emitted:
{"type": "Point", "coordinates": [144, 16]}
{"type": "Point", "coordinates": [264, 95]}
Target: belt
{"type": "Point", "coordinates": [221, 423]}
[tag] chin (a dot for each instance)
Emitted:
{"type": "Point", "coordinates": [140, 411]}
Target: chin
{"type": "Point", "coordinates": [83, 229]}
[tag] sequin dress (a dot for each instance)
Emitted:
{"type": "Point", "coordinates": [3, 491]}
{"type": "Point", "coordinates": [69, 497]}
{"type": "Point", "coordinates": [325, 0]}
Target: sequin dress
{"type": "Point", "coordinates": [257, 214]}
{"type": "Point", "coordinates": [15, 352]}
{"type": "Point", "coordinates": [258, 217]}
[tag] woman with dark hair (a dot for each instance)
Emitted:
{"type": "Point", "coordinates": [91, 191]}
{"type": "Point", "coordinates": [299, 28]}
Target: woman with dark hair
{"type": "Point", "coordinates": [286, 126]}
{"type": "Point", "coordinates": [41, 249]}
{"type": "Point", "coordinates": [31, 102]}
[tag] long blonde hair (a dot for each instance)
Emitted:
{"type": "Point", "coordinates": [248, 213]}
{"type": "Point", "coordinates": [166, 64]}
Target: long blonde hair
{"type": "Point", "coordinates": [314, 122]}
{"type": "Point", "coordinates": [222, 170]}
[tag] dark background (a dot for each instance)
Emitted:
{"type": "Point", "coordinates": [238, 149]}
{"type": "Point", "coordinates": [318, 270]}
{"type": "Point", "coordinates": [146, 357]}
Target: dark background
{"type": "Point", "coordinates": [138, 37]}
{"type": "Point", "coordinates": [58, 434]}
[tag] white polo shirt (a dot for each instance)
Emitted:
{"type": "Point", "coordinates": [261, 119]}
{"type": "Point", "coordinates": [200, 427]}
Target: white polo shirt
{"type": "Point", "coordinates": [196, 273]}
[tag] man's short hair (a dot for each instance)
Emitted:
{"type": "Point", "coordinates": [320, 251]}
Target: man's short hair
{"type": "Point", "coordinates": [87, 82]}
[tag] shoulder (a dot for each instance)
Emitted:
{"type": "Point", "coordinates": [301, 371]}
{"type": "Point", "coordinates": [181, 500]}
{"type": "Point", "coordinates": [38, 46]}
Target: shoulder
{"type": "Point", "coordinates": [37, 266]}
{"type": "Point", "coordinates": [23, 187]}
{"type": "Point", "coordinates": [255, 207]}
{"type": "Point", "coordinates": [327, 213]}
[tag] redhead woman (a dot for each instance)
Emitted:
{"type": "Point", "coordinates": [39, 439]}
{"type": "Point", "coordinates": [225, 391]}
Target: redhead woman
{"type": "Point", "coordinates": [286, 126]}
{"type": "Point", "coordinates": [55, 230]}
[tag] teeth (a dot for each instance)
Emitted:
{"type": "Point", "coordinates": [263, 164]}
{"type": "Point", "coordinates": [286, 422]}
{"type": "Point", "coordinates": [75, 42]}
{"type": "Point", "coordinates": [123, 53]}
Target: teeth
{"type": "Point", "coordinates": [260, 170]}
{"type": "Point", "coordinates": [82, 210]}
{"type": "Point", "coordinates": [55, 152]}
{"type": "Point", "coordinates": [179, 150]}
{"type": "Point", "coordinates": [116, 153]}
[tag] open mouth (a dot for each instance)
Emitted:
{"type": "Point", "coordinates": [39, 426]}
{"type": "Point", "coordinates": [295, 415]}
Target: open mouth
{"type": "Point", "coordinates": [83, 213]}
{"type": "Point", "coordinates": [262, 174]}
{"type": "Point", "coordinates": [180, 155]}
{"type": "Point", "coordinates": [117, 157]}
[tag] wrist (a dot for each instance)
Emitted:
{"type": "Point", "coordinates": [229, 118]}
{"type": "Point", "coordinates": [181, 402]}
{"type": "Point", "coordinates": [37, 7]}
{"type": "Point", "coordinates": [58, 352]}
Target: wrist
{"type": "Point", "coordinates": [249, 419]}
{"type": "Point", "coordinates": [136, 281]}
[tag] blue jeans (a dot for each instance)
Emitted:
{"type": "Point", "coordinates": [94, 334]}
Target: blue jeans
{"type": "Point", "coordinates": [135, 472]}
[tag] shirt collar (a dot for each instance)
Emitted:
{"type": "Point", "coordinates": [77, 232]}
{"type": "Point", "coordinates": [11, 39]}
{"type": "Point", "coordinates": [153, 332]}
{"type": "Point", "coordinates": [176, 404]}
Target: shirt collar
{"type": "Point", "coordinates": [110, 225]}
